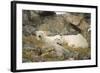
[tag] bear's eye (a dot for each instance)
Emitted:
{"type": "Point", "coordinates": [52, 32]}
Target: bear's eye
{"type": "Point", "coordinates": [39, 36]}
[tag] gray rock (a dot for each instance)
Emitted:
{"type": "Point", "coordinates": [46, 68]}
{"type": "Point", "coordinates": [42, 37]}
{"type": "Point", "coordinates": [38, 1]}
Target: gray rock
{"type": "Point", "coordinates": [28, 30]}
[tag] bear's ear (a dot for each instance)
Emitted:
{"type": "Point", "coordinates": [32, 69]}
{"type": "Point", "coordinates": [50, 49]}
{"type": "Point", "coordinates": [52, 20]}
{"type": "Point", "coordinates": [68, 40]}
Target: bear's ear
{"type": "Point", "coordinates": [44, 32]}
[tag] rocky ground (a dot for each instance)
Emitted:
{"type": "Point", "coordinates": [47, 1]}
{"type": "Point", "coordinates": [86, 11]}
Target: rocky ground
{"type": "Point", "coordinates": [67, 23]}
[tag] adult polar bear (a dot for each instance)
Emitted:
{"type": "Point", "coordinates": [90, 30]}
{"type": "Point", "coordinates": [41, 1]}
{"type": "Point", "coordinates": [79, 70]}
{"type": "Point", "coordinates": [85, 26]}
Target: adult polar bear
{"type": "Point", "coordinates": [75, 41]}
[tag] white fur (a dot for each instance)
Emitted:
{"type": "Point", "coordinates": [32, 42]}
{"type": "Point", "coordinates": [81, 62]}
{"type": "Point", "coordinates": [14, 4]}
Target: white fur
{"type": "Point", "coordinates": [75, 41]}
{"type": "Point", "coordinates": [46, 38]}
{"type": "Point", "coordinates": [51, 42]}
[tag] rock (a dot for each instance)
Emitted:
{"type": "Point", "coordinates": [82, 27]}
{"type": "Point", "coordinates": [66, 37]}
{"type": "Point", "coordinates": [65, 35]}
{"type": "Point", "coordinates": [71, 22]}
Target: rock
{"type": "Point", "coordinates": [25, 20]}
{"type": "Point", "coordinates": [31, 18]}
{"type": "Point", "coordinates": [73, 19]}
{"type": "Point", "coordinates": [52, 24]}
{"type": "Point", "coordinates": [35, 18]}
{"type": "Point", "coordinates": [28, 30]}
{"type": "Point", "coordinates": [47, 13]}
{"type": "Point", "coordinates": [26, 60]}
